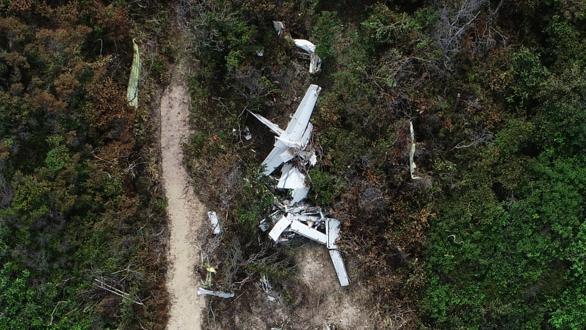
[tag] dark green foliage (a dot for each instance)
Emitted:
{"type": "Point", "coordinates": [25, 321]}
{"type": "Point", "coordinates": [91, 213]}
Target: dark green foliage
{"type": "Point", "coordinates": [507, 250]}
{"type": "Point", "coordinates": [325, 187]}
{"type": "Point", "coordinates": [326, 32]}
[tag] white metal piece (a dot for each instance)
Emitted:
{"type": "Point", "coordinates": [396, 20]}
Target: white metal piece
{"type": "Point", "coordinates": [314, 63]}
{"type": "Point", "coordinates": [291, 178]}
{"type": "Point", "coordinates": [206, 292]}
{"type": "Point", "coordinates": [264, 225]}
{"type": "Point", "coordinates": [279, 27]}
{"type": "Point", "coordinates": [216, 228]}
{"type": "Point", "coordinates": [308, 232]}
{"type": "Point", "coordinates": [299, 194]}
{"type": "Point", "coordinates": [412, 165]}
{"type": "Point", "coordinates": [132, 90]}
{"type": "Point", "coordinates": [313, 159]}
{"type": "Point", "coordinates": [339, 267]}
{"type": "Point", "coordinates": [306, 45]}
{"type": "Point", "coordinates": [333, 232]}
{"type": "Point", "coordinates": [309, 47]}
{"type": "Point", "coordinates": [247, 134]}
{"type": "Point", "coordinates": [280, 227]}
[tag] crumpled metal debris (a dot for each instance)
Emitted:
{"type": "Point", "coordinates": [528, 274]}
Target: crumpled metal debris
{"type": "Point", "coordinates": [293, 143]}
{"type": "Point", "coordinates": [132, 91]}
{"type": "Point", "coordinates": [311, 223]}
{"type": "Point", "coordinates": [279, 27]}
{"type": "Point", "coordinates": [221, 294]}
{"type": "Point", "coordinates": [292, 150]}
{"type": "Point", "coordinates": [216, 228]}
{"type": "Point", "coordinates": [412, 165]}
{"type": "Point", "coordinates": [246, 133]}
{"type": "Point", "coordinates": [309, 48]}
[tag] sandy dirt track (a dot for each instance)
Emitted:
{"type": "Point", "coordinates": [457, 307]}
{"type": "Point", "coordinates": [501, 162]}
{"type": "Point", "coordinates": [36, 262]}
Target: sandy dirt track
{"type": "Point", "coordinates": [184, 211]}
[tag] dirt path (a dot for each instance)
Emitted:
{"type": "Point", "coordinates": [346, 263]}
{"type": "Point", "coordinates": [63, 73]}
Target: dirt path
{"type": "Point", "coordinates": [184, 211]}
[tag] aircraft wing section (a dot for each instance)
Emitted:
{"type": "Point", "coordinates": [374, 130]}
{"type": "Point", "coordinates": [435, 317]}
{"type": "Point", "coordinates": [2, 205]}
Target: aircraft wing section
{"type": "Point", "coordinates": [276, 157]}
{"type": "Point", "coordinates": [274, 127]}
{"type": "Point", "coordinates": [298, 124]}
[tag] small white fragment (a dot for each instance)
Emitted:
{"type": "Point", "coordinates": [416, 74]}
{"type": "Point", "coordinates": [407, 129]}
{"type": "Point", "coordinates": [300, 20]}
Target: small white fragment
{"type": "Point", "coordinates": [260, 52]}
{"type": "Point", "coordinates": [280, 227]}
{"type": "Point", "coordinates": [206, 292]}
{"type": "Point", "coordinates": [247, 134]}
{"type": "Point", "coordinates": [412, 165]}
{"type": "Point", "coordinates": [279, 27]}
{"type": "Point", "coordinates": [216, 228]}
{"type": "Point", "coordinates": [314, 63]}
{"type": "Point", "coordinates": [313, 159]}
{"type": "Point", "coordinates": [264, 225]}
{"type": "Point", "coordinates": [308, 232]}
{"type": "Point", "coordinates": [339, 267]}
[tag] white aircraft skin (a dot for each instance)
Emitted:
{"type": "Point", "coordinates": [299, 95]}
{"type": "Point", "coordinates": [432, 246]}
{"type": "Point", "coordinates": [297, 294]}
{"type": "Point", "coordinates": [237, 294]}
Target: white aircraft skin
{"type": "Point", "coordinates": [294, 138]}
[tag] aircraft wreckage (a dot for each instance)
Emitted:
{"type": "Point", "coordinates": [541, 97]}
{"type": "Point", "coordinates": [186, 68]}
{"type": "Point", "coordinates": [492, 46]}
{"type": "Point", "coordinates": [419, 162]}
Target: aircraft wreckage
{"type": "Point", "coordinates": [293, 152]}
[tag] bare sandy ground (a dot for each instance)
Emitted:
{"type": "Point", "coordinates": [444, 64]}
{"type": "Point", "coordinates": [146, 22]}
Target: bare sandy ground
{"type": "Point", "coordinates": [184, 211]}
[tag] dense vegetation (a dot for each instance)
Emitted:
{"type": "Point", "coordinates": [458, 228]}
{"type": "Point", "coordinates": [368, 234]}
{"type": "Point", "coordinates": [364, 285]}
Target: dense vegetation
{"type": "Point", "coordinates": [78, 201]}
{"type": "Point", "coordinates": [493, 235]}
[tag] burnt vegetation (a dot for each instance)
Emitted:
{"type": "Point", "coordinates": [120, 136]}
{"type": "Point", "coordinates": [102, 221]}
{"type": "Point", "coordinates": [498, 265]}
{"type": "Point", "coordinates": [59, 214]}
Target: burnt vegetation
{"type": "Point", "coordinates": [81, 211]}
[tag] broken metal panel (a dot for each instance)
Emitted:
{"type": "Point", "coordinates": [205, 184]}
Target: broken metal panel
{"type": "Point", "coordinates": [274, 160]}
{"type": "Point", "coordinates": [206, 292]}
{"type": "Point", "coordinates": [279, 27]}
{"type": "Point", "coordinates": [412, 165]}
{"type": "Point", "coordinates": [132, 91]}
{"type": "Point", "coordinates": [314, 63]}
{"type": "Point", "coordinates": [306, 45]}
{"type": "Point", "coordinates": [216, 228]}
{"type": "Point", "coordinates": [333, 232]}
{"type": "Point", "coordinates": [299, 194]}
{"type": "Point", "coordinates": [291, 178]}
{"type": "Point", "coordinates": [280, 227]}
{"type": "Point", "coordinates": [309, 47]}
{"type": "Point", "coordinates": [308, 232]}
{"type": "Point", "coordinates": [339, 267]}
